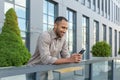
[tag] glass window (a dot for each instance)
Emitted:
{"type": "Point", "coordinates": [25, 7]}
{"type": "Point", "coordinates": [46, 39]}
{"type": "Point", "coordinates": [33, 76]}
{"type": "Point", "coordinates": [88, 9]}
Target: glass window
{"type": "Point", "coordinates": [102, 7]}
{"type": "Point", "coordinates": [44, 27]}
{"type": "Point", "coordinates": [50, 27]}
{"type": "Point", "coordinates": [119, 40]}
{"type": "Point", "coordinates": [21, 23]}
{"type": "Point", "coordinates": [45, 7]}
{"type": "Point", "coordinates": [7, 6]}
{"type": "Point", "coordinates": [98, 5]}
{"type": "Point", "coordinates": [84, 33]}
{"type": "Point", "coordinates": [116, 12]}
{"type": "Point", "coordinates": [119, 16]}
{"type": "Point", "coordinates": [108, 7]}
{"type": "Point", "coordinates": [105, 6]}
{"type": "Point", "coordinates": [20, 11]}
{"type": "Point", "coordinates": [112, 10]}
{"type": "Point", "coordinates": [49, 14]}
{"type": "Point", "coordinates": [71, 32]}
{"type": "Point", "coordinates": [115, 42]}
{"type": "Point", "coordinates": [89, 3]}
{"type": "Point", "coordinates": [96, 31]}
{"type": "Point", "coordinates": [83, 2]}
{"type": "Point", "coordinates": [50, 20]}
{"type": "Point", "coordinates": [20, 2]}
{"type": "Point", "coordinates": [22, 26]}
{"type": "Point", "coordinates": [110, 36]}
{"type": "Point", "coordinates": [51, 9]}
{"type": "Point", "coordinates": [45, 18]}
{"type": "Point", "coordinates": [104, 32]}
{"type": "Point", "coordinates": [85, 36]}
{"type": "Point", "coordinates": [94, 5]}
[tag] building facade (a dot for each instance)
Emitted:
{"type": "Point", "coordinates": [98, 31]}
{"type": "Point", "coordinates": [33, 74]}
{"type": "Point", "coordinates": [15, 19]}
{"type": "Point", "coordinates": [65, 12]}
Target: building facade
{"type": "Point", "coordinates": [89, 21]}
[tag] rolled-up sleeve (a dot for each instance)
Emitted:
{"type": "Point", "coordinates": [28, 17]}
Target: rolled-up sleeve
{"type": "Point", "coordinates": [43, 46]}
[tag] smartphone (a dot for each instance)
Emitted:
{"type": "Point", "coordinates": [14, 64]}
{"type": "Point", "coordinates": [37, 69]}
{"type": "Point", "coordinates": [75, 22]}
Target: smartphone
{"type": "Point", "coordinates": [82, 51]}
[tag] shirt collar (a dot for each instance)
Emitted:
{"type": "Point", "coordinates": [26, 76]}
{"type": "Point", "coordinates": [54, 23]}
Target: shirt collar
{"type": "Point", "coordinates": [53, 35]}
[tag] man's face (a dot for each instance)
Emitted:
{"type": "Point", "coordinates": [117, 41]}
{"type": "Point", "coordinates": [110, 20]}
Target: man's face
{"type": "Point", "coordinates": [60, 28]}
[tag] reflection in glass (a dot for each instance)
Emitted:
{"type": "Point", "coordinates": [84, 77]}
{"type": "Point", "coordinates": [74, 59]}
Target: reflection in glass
{"type": "Point", "coordinates": [94, 5]}
{"type": "Point", "coordinates": [71, 26]}
{"type": "Point", "coordinates": [50, 27]}
{"type": "Point", "coordinates": [94, 32]}
{"type": "Point", "coordinates": [45, 7]}
{"type": "Point", "coordinates": [85, 36]}
{"type": "Point", "coordinates": [23, 34]}
{"type": "Point", "coordinates": [48, 15]}
{"type": "Point", "coordinates": [104, 32]}
{"type": "Point", "coordinates": [51, 9]}
{"type": "Point", "coordinates": [21, 23]}
{"type": "Point", "coordinates": [88, 3]}
{"type": "Point", "coordinates": [67, 36]}
{"type": "Point", "coordinates": [20, 11]}
{"type": "Point", "coordinates": [84, 33]}
{"type": "Point", "coordinates": [44, 27]}
{"type": "Point", "coordinates": [50, 20]}
{"type": "Point", "coordinates": [45, 18]}
{"type": "Point", "coordinates": [7, 6]}
{"type": "Point", "coordinates": [70, 35]}
{"type": "Point", "coordinates": [83, 2]}
{"type": "Point", "coordinates": [70, 48]}
{"type": "Point", "coordinates": [21, 2]}
{"type": "Point", "coordinates": [70, 16]}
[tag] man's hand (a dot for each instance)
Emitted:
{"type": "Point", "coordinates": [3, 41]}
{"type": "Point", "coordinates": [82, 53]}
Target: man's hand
{"type": "Point", "coordinates": [76, 57]}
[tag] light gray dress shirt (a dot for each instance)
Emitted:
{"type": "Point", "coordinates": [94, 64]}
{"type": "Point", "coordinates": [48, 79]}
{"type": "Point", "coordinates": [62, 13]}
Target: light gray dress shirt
{"type": "Point", "coordinates": [49, 48]}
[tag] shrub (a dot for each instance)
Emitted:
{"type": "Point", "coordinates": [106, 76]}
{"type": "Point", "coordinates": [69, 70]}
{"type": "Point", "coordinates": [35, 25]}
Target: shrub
{"type": "Point", "coordinates": [119, 51]}
{"type": "Point", "coordinates": [101, 49]}
{"type": "Point", "coordinates": [12, 50]}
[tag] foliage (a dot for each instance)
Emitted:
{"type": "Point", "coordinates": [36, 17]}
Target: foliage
{"type": "Point", "coordinates": [12, 50]}
{"type": "Point", "coordinates": [101, 49]}
{"type": "Point", "coordinates": [119, 51]}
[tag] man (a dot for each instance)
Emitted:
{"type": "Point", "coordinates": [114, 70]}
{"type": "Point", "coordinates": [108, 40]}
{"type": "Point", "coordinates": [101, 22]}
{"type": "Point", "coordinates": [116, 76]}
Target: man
{"type": "Point", "coordinates": [52, 46]}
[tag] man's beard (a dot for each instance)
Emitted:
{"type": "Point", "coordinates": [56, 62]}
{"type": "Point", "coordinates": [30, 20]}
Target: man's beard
{"type": "Point", "coordinates": [58, 34]}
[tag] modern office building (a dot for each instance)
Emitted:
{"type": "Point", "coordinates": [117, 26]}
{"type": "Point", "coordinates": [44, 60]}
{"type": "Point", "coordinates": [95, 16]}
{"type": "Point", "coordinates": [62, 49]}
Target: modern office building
{"type": "Point", "coordinates": [89, 21]}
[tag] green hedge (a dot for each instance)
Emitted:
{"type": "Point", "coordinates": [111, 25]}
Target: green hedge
{"type": "Point", "coordinates": [12, 50]}
{"type": "Point", "coordinates": [101, 49]}
{"type": "Point", "coordinates": [119, 51]}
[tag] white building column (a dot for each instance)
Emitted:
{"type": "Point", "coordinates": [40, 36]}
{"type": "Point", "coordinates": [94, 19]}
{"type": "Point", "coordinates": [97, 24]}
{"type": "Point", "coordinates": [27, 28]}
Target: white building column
{"type": "Point", "coordinates": [1, 14]}
{"type": "Point", "coordinates": [36, 22]}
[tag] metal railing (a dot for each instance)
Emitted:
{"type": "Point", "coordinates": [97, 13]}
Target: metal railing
{"type": "Point", "coordinates": [12, 71]}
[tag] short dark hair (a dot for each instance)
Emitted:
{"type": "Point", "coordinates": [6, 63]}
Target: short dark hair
{"type": "Point", "coordinates": [60, 18]}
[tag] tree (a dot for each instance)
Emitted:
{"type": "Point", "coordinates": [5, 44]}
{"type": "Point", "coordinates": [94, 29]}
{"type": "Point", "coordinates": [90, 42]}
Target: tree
{"type": "Point", "coordinates": [119, 51]}
{"type": "Point", "coordinates": [12, 50]}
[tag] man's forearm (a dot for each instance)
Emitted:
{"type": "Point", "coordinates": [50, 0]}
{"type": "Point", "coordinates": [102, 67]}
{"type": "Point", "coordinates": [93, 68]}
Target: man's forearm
{"type": "Point", "coordinates": [73, 58]}
{"type": "Point", "coordinates": [63, 60]}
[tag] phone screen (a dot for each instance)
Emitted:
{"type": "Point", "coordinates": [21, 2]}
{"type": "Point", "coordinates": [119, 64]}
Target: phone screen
{"type": "Point", "coordinates": [82, 51]}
